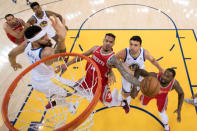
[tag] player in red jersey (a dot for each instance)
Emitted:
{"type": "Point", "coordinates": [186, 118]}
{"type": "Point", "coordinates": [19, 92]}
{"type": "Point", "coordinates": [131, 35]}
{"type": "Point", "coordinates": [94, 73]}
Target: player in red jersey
{"type": "Point", "coordinates": [105, 58]}
{"type": "Point", "coordinates": [167, 83]}
{"type": "Point", "coordinates": [96, 56]}
{"type": "Point", "coordinates": [14, 28]}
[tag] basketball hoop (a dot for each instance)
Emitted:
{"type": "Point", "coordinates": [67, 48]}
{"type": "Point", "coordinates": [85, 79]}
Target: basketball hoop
{"type": "Point", "coordinates": [58, 118]}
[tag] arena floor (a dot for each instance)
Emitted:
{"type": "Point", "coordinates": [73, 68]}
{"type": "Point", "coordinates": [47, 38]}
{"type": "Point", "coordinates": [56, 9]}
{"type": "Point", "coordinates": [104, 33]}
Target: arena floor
{"type": "Point", "coordinates": [167, 29]}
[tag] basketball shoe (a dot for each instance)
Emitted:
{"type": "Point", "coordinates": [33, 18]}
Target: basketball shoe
{"type": "Point", "coordinates": [14, 1]}
{"type": "Point", "coordinates": [28, 3]}
{"type": "Point", "coordinates": [50, 104]}
{"type": "Point", "coordinates": [190, 101]}
{"type": "Point", "coordinates": [166, 127]}
{"type": "Point", "coordinates": [126, 107]}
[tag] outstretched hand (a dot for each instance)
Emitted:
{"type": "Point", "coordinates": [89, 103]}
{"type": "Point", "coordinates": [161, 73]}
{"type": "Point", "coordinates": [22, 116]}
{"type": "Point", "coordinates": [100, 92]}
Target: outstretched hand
{"type": "Point", "coordinates": [134, 92]}
{"type": "Point", "coordinates": [178, 115]}
{"type": "Point", "coordinates": [59, 27]}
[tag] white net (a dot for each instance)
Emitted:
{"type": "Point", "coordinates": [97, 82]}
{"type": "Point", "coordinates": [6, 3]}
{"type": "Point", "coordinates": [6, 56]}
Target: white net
{"type": "Point", "coordinates": [48, 104]}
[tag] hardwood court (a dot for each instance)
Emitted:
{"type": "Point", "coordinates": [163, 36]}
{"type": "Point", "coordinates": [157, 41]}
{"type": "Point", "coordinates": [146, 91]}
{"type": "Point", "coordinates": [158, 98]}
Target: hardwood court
{"type": "Point", "coordinates": [167, 29]}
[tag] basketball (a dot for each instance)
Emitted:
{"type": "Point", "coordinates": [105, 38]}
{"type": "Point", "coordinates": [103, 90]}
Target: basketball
{"type": "Point", "coordinates": [150, 86]}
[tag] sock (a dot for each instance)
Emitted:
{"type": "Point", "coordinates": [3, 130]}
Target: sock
{"type": "Point", "coordinates": [164, 118]}
{"type": "Point", "coordinates": [115, 101]}
{"type": "Point", "coordinates": [120, 98]}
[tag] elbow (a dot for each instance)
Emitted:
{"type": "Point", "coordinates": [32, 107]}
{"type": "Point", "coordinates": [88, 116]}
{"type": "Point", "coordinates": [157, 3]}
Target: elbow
{"type": "Point", "coordinates": [153, 61]}
{"type": "Point", "coordinates": [182, 94]}
{"type": "Point", "coordinates": [11, 54]}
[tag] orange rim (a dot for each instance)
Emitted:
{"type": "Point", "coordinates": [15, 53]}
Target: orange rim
{"type": "Point", "coordinates": [78, 120]}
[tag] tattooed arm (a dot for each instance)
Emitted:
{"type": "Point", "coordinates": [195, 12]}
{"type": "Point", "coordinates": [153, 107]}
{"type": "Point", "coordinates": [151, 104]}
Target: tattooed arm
{"type": "Point", "coordinates": [87, 53]}
{"type": "Point", "coordinates": [124, 70]}
{"type": "Point", "coordinates": [144, 73]}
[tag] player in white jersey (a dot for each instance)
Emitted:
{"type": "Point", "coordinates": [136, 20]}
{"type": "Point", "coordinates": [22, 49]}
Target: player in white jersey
{"type": "Point", "coordinates": [41, 18]}
{"type": "Point", "coordinates": [42, 74]}
{"type": "Point", "coordinates": [39, 47]}
{"type": "Point", "coordinates": [133, 57]}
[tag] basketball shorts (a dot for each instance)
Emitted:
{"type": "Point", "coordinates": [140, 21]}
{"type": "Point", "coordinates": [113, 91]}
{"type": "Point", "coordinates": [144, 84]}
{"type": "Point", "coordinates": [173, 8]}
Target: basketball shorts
{"type": "Point", "coordinates": [127, 86]}
{"type": "Point", "coordinates": [162, 101]}
{"type": "Point", "coordinates": [106, 96]}
{"type": "Point", "coordinates": [49, 88]}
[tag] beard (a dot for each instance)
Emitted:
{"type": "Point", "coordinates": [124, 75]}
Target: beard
{"type": "Point", "coordinates": [133, 52]}
{"type": "Point", "coordinates": [39, 13]}
{"type": "Point", "coordinates": [14, 24]}
{"type": "Point", "coordinates": [163, 81]}
{"type": "Point", "coordinates": [106, 49]}
{"type": "Point", "coordinates": [48, 44]}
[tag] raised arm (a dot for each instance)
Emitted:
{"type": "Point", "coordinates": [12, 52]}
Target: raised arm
{"type": "Point", "coordinates": [124, 70]}
{"type": "Point", "coordinates": [180, 92]}
{"type": "Point", "coordinates": [87, 53]}
{"type": "Point", "coordinates": [144, 73]}
{"type": "Point", "coordinates": [153, 60]}
{"type": "Point", "coordinates": [58, 25]}
{"type": "Point", "coordinates": [50, 13]}
{"type": "Point", "coordinates": [61, 32]}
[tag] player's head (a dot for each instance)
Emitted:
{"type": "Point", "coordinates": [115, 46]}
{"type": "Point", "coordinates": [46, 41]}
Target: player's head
{"type": "Point", "coordinates": [168, 76]}
{"type": "Point", "coordinates": [108, 41]}
{"type": "Point", "coordinates": [11, 19]}
{"type": "Point", "coordinates": [135, 44]}
{"type": "Point", "coordinates": [36, 8]}
{"type": "Point", "coordinates": [38, 36]}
